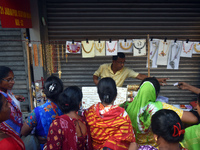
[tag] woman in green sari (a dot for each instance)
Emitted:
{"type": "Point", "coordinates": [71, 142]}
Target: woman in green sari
{"type": "Point", "coordinates": [192, 134]}
{"type": "Point", "coordinates": [144, 106]}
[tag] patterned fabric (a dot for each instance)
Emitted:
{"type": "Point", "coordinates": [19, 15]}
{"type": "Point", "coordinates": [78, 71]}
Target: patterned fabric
{"type": "Point", "coordinates": [119, 77]}
{"type": "Point", "coordinates": [141, 109]}
{"type": "Point", "coordinates": [192, 137]}
{"type": "Point", "coordinates": [147, 147]}
{"type": "Point", "coordinates": [13, 142]}
{"type": "Point", "coordinates": [62, 135]}
{"type": "Point", "coordinates": [41, 118]}
{"type": "Point", "coordinates": [110, 127]}
{"type": "Point", "coordinates": [13, 124]}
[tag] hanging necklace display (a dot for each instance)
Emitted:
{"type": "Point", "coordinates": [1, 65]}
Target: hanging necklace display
{"type": "Point", "coordinates": [187, 49]}
{"type": "Point", "coordinates": [174, 56]}
{"type": "Point", "coordinates": [153, 53]}
{"type": "Point", "coordinates": [139, 47]}
{"type": "Point", "coordinates": [54, 69]}
{"type": "Point", "coordinates": [35, 52]}
{"type": "Point", "coordinates": [196, 49]}
{"type": "Point", "coordinates": [41, 55]}
{"type": "Point", "coordinates": [163, 52]}
{"type": "Point", "coordinates": [99, 48]}
{"type": "Point", "coordinates": [59, 65]}
{"type": "Point", "coordinates": [73, 47]}
{"type": "Point", "coordinates": [48, 55]}
{"type": "Point", "coordinates": [87, 49]}
{"type": "Point", "coordinates": [62, 51]}
{"type": "Point", "coordinates": [125, 46]}
{"type": "Point", "coordinates": [111, 48]}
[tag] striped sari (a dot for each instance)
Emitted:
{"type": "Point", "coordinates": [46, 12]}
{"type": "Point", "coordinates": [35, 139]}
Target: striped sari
{"type": "Point", "coordinates": [110, 127]}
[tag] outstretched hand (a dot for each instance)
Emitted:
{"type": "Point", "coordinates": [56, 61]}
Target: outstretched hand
{"type": "Point", "coordinates": [183, 86]}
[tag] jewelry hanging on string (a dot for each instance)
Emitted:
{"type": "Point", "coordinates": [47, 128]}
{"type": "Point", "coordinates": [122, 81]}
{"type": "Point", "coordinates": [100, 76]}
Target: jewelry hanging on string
{"type": "Point", "coordinates": [41, 55]}
{"type": "Point", "coordinates": [35, 51]}
{"type": "Point", "coordinates": [100, 46]}
{"type": "Point", "coordinates": [59, 65]}
{"type": "Point", "coordinates": [86, 50]}
{"type": "Point", "coordinates": [126, 44]}
{"type": "Point", "coordinates": [139, 46]}
{"type": "Point", "coordinates": [48, 56]}
{"type": "Point", "coordinates": [62, 51]}
{"type": "Point", "coordinates": [164, 52]}
{"type": "Point", "coordinates": [74, 48]}
{"type": "Point", "coordinates": [111, 50]}
{"type": "Point", "coordinates": [188, 49]}
{"type": "Point", "coordinates": [172, 59]}
{"type": "Point", "coordinates": [195, 48]}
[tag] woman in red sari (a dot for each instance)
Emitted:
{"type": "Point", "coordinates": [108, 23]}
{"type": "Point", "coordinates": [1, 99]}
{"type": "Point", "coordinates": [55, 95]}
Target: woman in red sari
{"type": "Point", "coordinates": [69, 131]}
{"type": "Point", "coordinates": [110, 125]}
{"type": "Point", "coordinates": [8, 139]}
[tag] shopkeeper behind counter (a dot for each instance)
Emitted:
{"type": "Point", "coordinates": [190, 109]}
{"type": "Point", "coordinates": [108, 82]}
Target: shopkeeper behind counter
{"type": "Point", "coordinates": [118, 72]}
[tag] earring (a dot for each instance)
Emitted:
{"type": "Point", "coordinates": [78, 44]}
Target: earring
{"type": "Point", "coordinates": [156, 139]}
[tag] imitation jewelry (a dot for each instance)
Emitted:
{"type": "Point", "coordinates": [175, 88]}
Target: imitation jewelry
{"type": "Point", "coordinates": [139, 43]}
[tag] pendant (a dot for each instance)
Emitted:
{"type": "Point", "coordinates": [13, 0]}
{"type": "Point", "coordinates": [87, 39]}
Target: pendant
{"type": "Point", "coordinates": [162, 53]}
{"type": "Point", "coordinates": [171, 64]}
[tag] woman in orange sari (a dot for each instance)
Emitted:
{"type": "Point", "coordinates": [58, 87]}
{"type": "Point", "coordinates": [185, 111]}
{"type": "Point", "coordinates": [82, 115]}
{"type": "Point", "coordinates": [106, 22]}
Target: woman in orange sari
{"type": "Point", "coordinates": [110, 125]}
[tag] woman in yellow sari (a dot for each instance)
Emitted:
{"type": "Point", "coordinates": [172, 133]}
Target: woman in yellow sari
{"type": "Point", "coordinates": [110, 125]}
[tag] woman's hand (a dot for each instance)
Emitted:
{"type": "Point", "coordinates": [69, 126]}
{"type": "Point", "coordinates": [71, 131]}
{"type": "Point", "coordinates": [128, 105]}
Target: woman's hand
{"type": "Point", "coordinates": [20, 98]}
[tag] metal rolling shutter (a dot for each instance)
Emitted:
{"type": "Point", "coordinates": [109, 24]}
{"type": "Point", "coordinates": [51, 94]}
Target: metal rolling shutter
{"type": "Point", "coordinates": [103, 20]}
{"type": "Point", "coordinates": [12, 55]}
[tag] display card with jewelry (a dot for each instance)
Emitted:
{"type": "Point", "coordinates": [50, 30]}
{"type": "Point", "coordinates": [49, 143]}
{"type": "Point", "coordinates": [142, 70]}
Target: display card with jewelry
{"type": "Point", "coordinates": [125, 46]}
{"type": "Point", "coordinates": [139, 47]}
{"type": "Point", "coordinates": [99, 48]}
{"type": "Point", "coordinates": [187, 49]}
{"type": "Point", "coordinates": [174, 55]}
{"type": "Point", "coordinates": [196, 49]}
{"type": "Point", "coordinates": [163, 51]}
{"type": "Point", "coordinates": [90, 96]}
{"type": "Point", "coordinates": [74, 47]}
{"type": "Point", "coordinates": [153, 53]}
{"type": "Point", "coordinates": [111, 48]}
{"type": "Point", "coordinates": [87, 49]}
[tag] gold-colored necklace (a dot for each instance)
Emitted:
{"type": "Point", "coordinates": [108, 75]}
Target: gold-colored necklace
{"type": "Point", "coordinates": [89, 50]}
{"type": "Point", "coordinates": [48, 56]}
{"type": "Point", "coordinates": [59, 65]}
{"type": "Point", "coordinates": [62, 51]}
{"type": "Point", "coordinates": [188, 49]}
{"type": "Point", "coordinates": [164, 52]}
{"type": "Point", "coordinates": [100, 46]}
{"type": "Point", "coordinates": [41, 55]}
{"type": "Point", "coordinates": [195, 47]}
{"type": "Point", "coordinates": [111, 50]}
{"type": "Point", "coordinates": [125, 48]}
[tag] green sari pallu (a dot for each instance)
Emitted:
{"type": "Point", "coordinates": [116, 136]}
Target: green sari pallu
{"type": "Point", "coordinates": [140, 111]}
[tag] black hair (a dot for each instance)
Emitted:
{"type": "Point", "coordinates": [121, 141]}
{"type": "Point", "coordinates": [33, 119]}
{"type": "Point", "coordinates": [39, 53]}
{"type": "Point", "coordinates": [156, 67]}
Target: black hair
{"type": "Point", "coordinates": [53, 86]}
{"type": "Point", "coordinates": [163, 124]}
{"type": "Point", "coordinates": [4, 71]}
{"type": "Point", "coordinates": [107, 90]}
{"type": "Point", "coordinates": [1, 101]}
{"type": "Point", "coordinates": [155, 83]}
{"type": "Point", "coordinates": [120, 55]}
{"type": "Point", "coordinates": [70, 99]}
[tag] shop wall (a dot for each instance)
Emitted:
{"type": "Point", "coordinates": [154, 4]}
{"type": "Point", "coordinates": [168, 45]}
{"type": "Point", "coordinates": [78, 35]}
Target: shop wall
{"type": "Point", "coordinates": [94, 20]}
{"type": "Point", "coordinates": [13, 55]}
